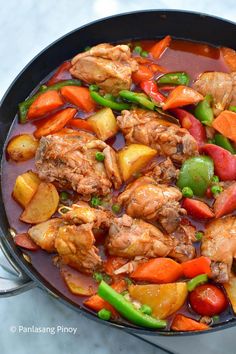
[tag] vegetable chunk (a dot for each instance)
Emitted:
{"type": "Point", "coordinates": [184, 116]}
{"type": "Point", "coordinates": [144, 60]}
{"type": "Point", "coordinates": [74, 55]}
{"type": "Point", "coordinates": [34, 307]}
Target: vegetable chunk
{"type": "Point", "coordinates": [22, 147]}
{"type": "Point", "coordinates": [25, 187]}
{"type": "Point", "coordinates": [104, 123]}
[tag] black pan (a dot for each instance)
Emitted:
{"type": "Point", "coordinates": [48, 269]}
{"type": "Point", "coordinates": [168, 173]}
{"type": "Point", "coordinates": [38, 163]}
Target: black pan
{"type": "Point", "coordinates": [136, 25]}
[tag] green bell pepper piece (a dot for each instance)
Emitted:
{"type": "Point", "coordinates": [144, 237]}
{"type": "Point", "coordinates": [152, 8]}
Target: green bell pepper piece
{"type": "Point", "coordinates": [178, 78]}
{"type": "Point", "coordinates": [24, 106]}
{"type": "Point", "coordinates": [196, 173]}
{"type": "Point", "coordinates": [126, 308]}
{"type": "Point", "coordinates": [107, 102]}
{"type": "Point", "coordinates": [204, 112]}
{"type": "Point", "coordinates": [224, 142]}
{"type": "Point", "coordinates": [139, 98]}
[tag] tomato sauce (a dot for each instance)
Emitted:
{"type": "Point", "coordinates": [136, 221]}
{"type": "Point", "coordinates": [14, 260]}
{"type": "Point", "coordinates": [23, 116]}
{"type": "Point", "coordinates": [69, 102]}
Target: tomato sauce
{"type": "Point", "coordinates": [188, 56]}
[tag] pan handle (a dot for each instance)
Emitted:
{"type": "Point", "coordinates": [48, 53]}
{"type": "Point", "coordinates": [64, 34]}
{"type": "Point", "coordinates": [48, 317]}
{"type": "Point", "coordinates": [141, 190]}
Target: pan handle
{"type": "Point", "coordinates": [12, 279]}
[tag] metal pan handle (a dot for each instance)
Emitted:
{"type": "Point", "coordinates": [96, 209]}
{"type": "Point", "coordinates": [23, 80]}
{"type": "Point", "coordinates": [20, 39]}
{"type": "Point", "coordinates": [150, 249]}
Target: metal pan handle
{"type": "Point", "coordinates": [12, 280]}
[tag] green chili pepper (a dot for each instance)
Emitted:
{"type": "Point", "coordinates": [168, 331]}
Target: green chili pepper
{"type": "Point", "coordinates": [104, 314]}
{"type": "Point", "coordinates": [178, 78]}
{"type": "Point", "coordinates": [204, 112]}
{"type": "Point", "coordinates": [126, 308]}
{"type": "Point", "coordinates": [196, 173]}
{"type": "Point", "coordinates": [224, 142]}
{"type": "Point", "coordinates": [199, 235]}
{"type": "Point", "coordinates": [232, 108]}
{"type": "Point", "coordinates": [187, 192]}
{"type": "Point", "coordinates": [24, 106]}
{"type": "Point", "coordinates": [139, 98]}
{"type": "Point", "coordinates": [99, 156]}
{"type": "Point", "coordinates": [198, 280]}
{"type": "Point", "coordinates": [93, 88]}
{"type": "Point", "coordinates": [108, 103]}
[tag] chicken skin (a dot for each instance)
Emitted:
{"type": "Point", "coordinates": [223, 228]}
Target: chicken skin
{"type": "Point", "coordinates": [108, 66]}
{"type": "Point", "coordinates": [153, 202]}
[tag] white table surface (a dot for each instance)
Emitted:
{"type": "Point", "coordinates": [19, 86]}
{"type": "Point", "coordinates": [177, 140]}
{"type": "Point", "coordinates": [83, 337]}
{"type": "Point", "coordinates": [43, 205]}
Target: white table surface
{"type": "Point", "coordinates": [26, 27]}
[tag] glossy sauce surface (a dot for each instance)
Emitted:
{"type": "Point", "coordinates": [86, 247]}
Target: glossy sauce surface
{"type": "Point", "coordinates": [182, 55]}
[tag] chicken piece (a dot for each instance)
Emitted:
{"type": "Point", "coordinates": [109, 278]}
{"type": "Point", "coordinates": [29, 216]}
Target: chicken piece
{"type": "Point", "coordinates": [153, 202]}
{"type": "Point", "coordinates": [82, 213]}
{"type": "Point", "coordinates": [134, 237]}
{"type": "Point", "coordinates": [75, 246]}
{"type": "Point", "coordinates": [222, 86]}
{"type": "Point", "coordinates": [44, 234]}
{"type": "Point", "coordinates": [183, 249]}
{"type": "Point", "coordinates": [162, 172]}
{"type": "Point", "coordinates": [229, 56]}
{"type": "Point", "coordinates": [219, 244]}
{"type": "Point", "coordinates": [144, 127]}
{"type": "Point", "coordinates": [106, 65]}
{"type": "Point", "coordinates": [70, 161]}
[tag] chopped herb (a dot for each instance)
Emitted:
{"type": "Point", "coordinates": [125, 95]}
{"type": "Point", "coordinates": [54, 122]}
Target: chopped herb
{"type": "Point", "coordinates": [215, 179]}
{"type": "Point", "coordinates": [93, 88]}
{"type": "Point", "coordinates": [138, 49]}
{"type": "Point", "coordinates": [97, 276]}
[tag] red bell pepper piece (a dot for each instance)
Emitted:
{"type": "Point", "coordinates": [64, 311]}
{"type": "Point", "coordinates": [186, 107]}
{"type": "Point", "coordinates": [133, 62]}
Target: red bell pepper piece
{"type": "Point", "coordinates": [150, 88]}
{"type": "Point", "coordinates": [196, 267]}
{"type": "Point", "coordinates": [62, 73]}
{"type": "Point", "coordinates": [192, 124]}
{"type": "Point", "coordinates": [197, 209]}
{"type": "Point", "coordinates": [226, 201]}
{"type": "Point", "coordinates": [224, 161]}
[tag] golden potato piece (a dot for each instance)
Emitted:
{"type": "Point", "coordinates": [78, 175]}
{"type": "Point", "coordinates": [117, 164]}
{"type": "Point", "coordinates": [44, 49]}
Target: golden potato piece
{"type": "Point", "coordinates": [43, 204]}
{"type": "Point", "coordinates": [22, 147]}
{"type": "Point", "coordinates": [164, 299]}
{"type": "Point", "coordinates": [104, 123]}
{"type": "Point", "coordinates": [230, 288]}
{"type": "Point", "coordinates": [133, 158]}
{"type": "Point", "coordinates": [25, 187]}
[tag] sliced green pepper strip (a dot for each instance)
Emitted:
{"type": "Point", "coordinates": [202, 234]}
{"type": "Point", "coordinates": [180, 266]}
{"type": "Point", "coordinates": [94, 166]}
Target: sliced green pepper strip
{"type": "Point", "coordinates": [138, 98]}
{"type": "Point", "coordinates": [24, 106]}
{"type": "Point", "coordinates": [126, 309]}
{"type": "Point", "coordinates": [232, 108]}
{"type": "Point", "coordinates": [204, 112]}
{"type": "Point", "coordinates": [198, 280]}
{"type": "Point", "coordinates": [196, 173]}
{"type": "Point", "coordinates": [224, 142]}
{"type": "Point", "coordinates": [178, 78]}
{"type": "Point", "coordinates": [108, 102]}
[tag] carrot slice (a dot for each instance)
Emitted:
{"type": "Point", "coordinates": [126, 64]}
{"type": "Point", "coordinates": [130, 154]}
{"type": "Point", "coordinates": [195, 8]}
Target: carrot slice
{"type": "Point", "coordinates": [196, 266]}
{"type": "Point", "coordinates": [55, 123]}
{"type": "Point", "coordinates": [24, 241]}
{"type": "Point", "coordinates": [79, 96]}
{"type": "Point", "coordinates": [142, 74]}
{"type": "Point", "coordinates": [225, 123]}
{"type": "Point", "coordinates": [183, 323]}
{"type": "Point", "coordinates": [182, 96]}
{"type": "Point", "coordinates": [158, 49]}
{"type": "Point", "coordinates": [45, 103]}
{"type": "Point", "coordinates": [112, 263]}
{"type": "Point", "coordinates": [81, 124]}
{"type": "Point", "coordinates": [158, 270]}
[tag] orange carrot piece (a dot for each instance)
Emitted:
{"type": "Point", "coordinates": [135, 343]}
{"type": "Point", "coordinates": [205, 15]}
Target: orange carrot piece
{"type": "Point", "coordinates": [158, 49]}
{"type": "Point", "coordinates": [45, 103]}
{"type": "Point", "coordinates": [81, 124]}
{"type": "Point", "coordinates": [96, 303]}
{"type": "Point", "coordinates": [112, 263]}
{"type": "Point", "coordinates": [226, 201]}
{"type": "Point", "coordinates": [55, 123]}
{"type": "Point", "coordinates": [142, 74]}
{"type": "Point", "coordinates": [79, 96]}
{"type": "Point", "coordinates": [158, 270]}
{"type": "Point", "coordinates": [183, 323]}
{"type": "Point", "coordinates": [225, 123]}
{"type": "Point", "coordinates": [196, 266]}
{"type": "Point", "coordinates": [182, 96]}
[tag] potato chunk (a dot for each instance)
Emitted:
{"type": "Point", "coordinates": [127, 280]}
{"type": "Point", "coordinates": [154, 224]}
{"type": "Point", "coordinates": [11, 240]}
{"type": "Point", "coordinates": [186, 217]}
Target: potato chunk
{"type": "Point", "coordinates": [43, 204]}
{"type": "Point", "coordinates": [133, 158]}
{"type": "Point", "coordinates": [104, 123]}
{"type": "Point", "coordinates": [164, 299]}
{"type": "Point", "coordinates": [22, 147]}
{"type": "Point", "coordinates": [25, 187]}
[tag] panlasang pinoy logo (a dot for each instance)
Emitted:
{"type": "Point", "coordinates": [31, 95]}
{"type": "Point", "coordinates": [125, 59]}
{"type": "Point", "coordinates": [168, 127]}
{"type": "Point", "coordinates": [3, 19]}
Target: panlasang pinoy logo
{"type": "Point", "coordinates": [43, 329]}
